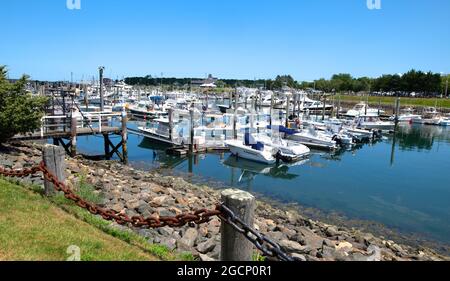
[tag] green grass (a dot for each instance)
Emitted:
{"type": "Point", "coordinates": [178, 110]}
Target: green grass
{"type": "Point", "coordinates": [417, 102]}
{"type": "Point", "coordinates": [33, 227]}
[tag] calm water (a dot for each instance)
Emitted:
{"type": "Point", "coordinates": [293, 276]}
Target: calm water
{"type": "Point", "coordinates": [401, 182]}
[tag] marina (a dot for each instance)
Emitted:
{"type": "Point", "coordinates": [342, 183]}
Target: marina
{"type": "Point", "coordinates": [351, 181]}
{"type": "Point", "coordinates": [218, 131]}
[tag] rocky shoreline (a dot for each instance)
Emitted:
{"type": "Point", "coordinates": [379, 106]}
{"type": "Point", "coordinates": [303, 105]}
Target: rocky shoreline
{"type": "Point", "coordinates": [125, 189]}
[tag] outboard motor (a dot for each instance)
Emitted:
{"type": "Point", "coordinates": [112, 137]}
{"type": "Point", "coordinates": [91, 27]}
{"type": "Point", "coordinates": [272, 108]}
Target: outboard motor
{"type": "Point", "coordinates": [338, 140]}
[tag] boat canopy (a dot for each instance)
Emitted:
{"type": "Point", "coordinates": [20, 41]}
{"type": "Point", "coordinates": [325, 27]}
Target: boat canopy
{"type": "Point", "coordinates": [283, 129]}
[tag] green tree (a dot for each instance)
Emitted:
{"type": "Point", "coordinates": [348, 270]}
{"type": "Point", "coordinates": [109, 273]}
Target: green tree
{"type": "Point", "coordinates": [20, 112]}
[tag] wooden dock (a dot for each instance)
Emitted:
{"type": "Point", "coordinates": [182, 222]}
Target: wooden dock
{"type": "Point", "coordinates": [64, 130]}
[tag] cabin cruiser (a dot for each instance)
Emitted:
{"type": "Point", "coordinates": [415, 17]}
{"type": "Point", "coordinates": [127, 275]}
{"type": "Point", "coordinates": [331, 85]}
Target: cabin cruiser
{"type": "Point", "coordinates": [370, 122]}
{"type": "Point", "coordinates": [406, 116]}
{"type": "Point", "coordinates": [430, 116]}
{"type": "Point", "coordinates": [258, 151]}
{"type": "Point", "coordinates": [147, 110]}
{"type": "Point", "coordinates": [363, 109]}
{"type": "Point", "coordinates": [313, 105]}
{"type": "Point", "coordinates": [314, 138]}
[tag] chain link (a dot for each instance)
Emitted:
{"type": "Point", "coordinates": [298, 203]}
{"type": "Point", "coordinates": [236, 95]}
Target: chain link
{"type": "Point", "coordinates": [268, 247]}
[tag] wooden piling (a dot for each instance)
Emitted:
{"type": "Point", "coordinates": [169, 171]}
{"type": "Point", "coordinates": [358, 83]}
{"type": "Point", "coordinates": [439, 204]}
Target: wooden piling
{"type": "Point", "coordinates": [324, 106]}
{"type": "Point", "coordinates": [124, 137]}
{"type": "Point", "coordinates": [191, 131]}
{"type": "Point", "coordinates": [338, 113]}
{"type": "Point", "coordinates": [397, 109]}
{"type": "Point", "coordinates": [288, 103]}
{"type": "Point", "coordinates": [73, 135]}
{"type": "Point", "coordinates": [170, 110]}
{"type": "Point", "coordinates": [234, 246]}
{"type": "Point", "coordinates": [106, 146]}
{"type": "Point", "coordinates": [53, 157]}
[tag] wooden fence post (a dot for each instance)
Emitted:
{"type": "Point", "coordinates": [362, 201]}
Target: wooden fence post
{"type": "Point", "coordinates": [54, 160]}
{"type": "Point", "coordinates": [234, 245]}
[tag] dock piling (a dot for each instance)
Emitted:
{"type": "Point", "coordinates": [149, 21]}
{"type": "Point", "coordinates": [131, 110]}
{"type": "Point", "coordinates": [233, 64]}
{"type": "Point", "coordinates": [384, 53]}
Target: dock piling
{"type": "Point", "coordinates": [234, 246]}
{"type": "Point", "coordinates": [73, 135]}
{"type": "Point", "coordinates": [124, 137]}
{"type": "Point", "coordinates": [191, 131]}
{"type": "Point", "coordinates": [53, 157]}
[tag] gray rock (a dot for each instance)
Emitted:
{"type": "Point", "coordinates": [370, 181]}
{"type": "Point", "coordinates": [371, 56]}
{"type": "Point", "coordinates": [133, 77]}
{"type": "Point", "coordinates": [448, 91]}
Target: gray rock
{"type": "Point", "coordinates": [133, 204]}
{"type": "Point", "coordinates": [165, 231]}
{"type": "Point", "coordinates": [332, 231]}
{"type": "Point", "coordinates": [293, 247]}
{"type": "Point", "coordinates": [298, 257]}
{"type": "Point", "coordinates": [188, 239]}
{"type": "Point", "coordinates": [206, 247]}
{"type": "Point", "coordinates": [170, 243]}
{"type": "Point", "coordinates": [206, 258]}
{"type": "Point", "coordinates": [307, 237]}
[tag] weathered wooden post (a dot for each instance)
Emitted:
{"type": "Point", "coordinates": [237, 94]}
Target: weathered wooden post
{"type": "Point", "coordinates": [102, 102]}
{"type": "Point", "coordinates": [53, 157]}
{"type": "Point", "coordinates": [271, 109]}
{"type": "Point", "coordinates": [288, 104]}
{"type": "Point", "coordinates": [191, 131]}
{"type": "Point", "coordinates": [324, 106]}
{"type": "Point", "coordinates": [234, 246]}
{"type": "Point", "coordinates": [338, 113]}
{"type": "Point", "coordinates": [73, 133]}
{"type": "Point", "coordinates": [170, 110]}
{"type": "Point", "coordinates": [124, 137]}
{"type": "Point", "coordinates": [106, 146]}
{"type": "Point", "coordinates": [397, 109]}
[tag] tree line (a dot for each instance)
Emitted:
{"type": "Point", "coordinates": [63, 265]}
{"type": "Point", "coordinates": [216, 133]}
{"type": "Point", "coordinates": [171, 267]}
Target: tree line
{"type": "Point", "coordinates": [423, 83]}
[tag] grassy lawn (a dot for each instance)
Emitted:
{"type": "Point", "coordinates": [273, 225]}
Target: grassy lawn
{"type": "Point", "coordinates": [444, 103]}
{"type": "Point", "coordinates": [34, 228]}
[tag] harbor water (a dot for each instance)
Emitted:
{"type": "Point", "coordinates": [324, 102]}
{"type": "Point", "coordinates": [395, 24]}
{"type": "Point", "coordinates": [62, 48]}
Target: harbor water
{"type": "Point", "coordinates": [400, 182]}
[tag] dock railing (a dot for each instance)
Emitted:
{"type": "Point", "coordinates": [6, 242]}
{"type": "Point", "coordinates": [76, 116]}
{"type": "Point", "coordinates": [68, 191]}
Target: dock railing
{"type": "Point", "coordinates": [63, 123]}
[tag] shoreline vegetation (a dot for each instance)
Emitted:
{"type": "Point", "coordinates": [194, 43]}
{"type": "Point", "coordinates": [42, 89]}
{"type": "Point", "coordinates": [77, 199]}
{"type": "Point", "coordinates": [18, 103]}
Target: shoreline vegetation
{"type": "Point", "coordinates": [133, 191]}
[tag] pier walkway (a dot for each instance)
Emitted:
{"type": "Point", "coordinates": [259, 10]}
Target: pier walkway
{"type": "Point", "coordinates": [64, 130]}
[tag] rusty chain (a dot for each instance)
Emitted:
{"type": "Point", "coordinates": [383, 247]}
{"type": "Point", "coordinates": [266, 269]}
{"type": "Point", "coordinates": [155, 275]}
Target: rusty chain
{"type": "Point", "coordinates": [268, 247]}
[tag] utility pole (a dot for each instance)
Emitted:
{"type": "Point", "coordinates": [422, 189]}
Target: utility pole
{"type": "Point", "coordinates": [102, 102]}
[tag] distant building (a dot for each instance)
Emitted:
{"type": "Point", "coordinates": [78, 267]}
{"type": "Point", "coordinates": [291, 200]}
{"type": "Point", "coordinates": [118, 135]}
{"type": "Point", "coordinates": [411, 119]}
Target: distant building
{"type": "Point", "coordinates": [210, 81]}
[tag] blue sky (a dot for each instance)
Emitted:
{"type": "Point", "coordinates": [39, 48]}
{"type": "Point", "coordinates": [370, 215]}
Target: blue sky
{"type": "Point", "coordinates": [308, 39]}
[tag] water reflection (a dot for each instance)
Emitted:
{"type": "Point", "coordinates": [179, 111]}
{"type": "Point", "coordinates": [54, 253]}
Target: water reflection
{"type": "Point", "coordinates": [417, 137]}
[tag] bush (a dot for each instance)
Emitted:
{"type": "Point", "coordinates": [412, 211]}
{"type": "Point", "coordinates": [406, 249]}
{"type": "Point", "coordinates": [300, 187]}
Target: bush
{"type": "Point", "coordinates": [20, 112]}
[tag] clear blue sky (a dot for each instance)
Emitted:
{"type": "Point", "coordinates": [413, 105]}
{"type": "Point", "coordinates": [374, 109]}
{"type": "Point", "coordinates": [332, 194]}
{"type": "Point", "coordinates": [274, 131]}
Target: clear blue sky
{"type": "Point", "coordinates": [308, 39]}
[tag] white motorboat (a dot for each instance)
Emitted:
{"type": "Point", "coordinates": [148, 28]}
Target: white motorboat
{"type": "Point", "coordinates": [313, 105]}
{"type": "Point", "coordinates": [445, 121]}
{"type": "Point", "coordinates": [257, 152]}
{"type": "Point", "coordinates": [314, 138]}
{"type": "Point", "coordinates": [374, 123]}
{"type": "Point", "coordinates": [406, 116]}
{"type": "Point", "coordinates": [288, 151]}
{"type": "Point", "coordinates": [147, 110]}
{"type": "Point", "coordinates": [363, 109]}
{"type": "Point", "coordinates": [430, 116]}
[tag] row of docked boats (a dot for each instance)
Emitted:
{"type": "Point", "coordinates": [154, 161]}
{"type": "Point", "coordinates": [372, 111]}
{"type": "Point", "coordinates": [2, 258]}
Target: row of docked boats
{"type": "Point", "coordinates": [257, 136]}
